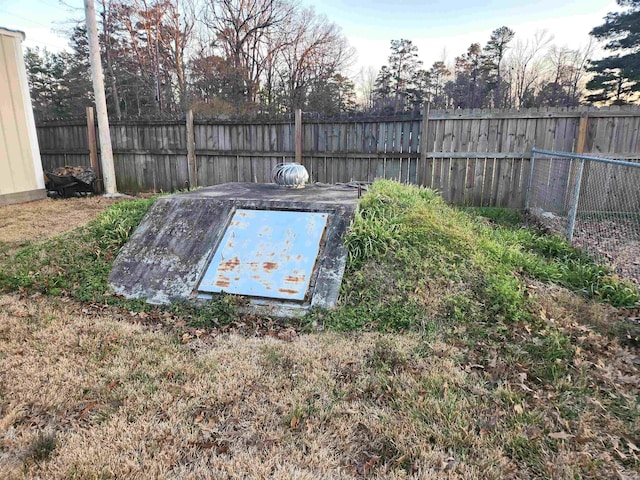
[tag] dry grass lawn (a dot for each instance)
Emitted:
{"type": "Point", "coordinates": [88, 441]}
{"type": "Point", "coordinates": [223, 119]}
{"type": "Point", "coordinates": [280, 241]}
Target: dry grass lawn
{"type": "Point", "coordinates": [87, 395]}
{"type": "Point", "coordinates": [36, 221]}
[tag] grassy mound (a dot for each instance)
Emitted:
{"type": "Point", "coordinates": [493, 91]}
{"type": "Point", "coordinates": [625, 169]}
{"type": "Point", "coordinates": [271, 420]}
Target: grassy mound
{"type": "Point", "coordinates": [414, 261]}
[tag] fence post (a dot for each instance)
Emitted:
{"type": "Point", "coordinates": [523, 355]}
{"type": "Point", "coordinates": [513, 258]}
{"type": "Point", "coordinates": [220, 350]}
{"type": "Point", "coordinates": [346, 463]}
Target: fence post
{"type": "Point", "coordinates": [580, 144]}
{"type": "Point", "coordinates": [192, 165]}
{"type": "Point", "coordinates": [93, 148]}
{"type": "Point", "coordinates": [298, 135]}
{"type": "Point", "coordinates": [424, 138]}
{"type": "Point", "coordinates": [582, 133]}
{"type": "Point", "coordinates": [527, 198]}
{"type": "Point", "coordinates": [576, 199]}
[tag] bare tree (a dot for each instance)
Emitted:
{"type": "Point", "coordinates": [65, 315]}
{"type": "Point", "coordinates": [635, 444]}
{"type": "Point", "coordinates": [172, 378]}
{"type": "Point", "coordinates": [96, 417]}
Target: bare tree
{"type": "Point", "coordinates": [580, 59]}
{"type": "Point", "coordinates": [142, 21]}
{"type": "Point", "coordinates": [525, 66]}
{"type": "Point", "coordinates": [107, 40]}
{"type": "Point", "coordinates": [365, 87]}
{"type": "Point", "coordinates": [236, 55]}
{"type": "Point", "coordinates": [314, 49]}
{"type": "Point", "coordinates": [242, 29]}
{"type": "Point", "coordinates": [563, 84]}
{"type": "Point", "coordinates": [154, 35]}
{"type": "Point", "coordinates": [180, 23]}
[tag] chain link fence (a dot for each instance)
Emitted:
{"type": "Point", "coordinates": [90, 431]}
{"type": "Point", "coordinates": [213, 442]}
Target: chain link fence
{"type": "Point", "coordinates": [594, 202]}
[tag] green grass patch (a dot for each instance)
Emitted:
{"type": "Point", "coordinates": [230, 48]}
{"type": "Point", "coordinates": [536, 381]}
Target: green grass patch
{"type": "Point", "coordinates": [42, 447]}
{"type": "Point", "coordinates": [77, 263]}
{"type": "Point", "coordinates": [220, 310]}
{"type": "Point", "coordinates": [413, 258]}
{"type": "Point", "coordinates": [550, 258]}
{"type": "Point", "coordinates": [499, 216]}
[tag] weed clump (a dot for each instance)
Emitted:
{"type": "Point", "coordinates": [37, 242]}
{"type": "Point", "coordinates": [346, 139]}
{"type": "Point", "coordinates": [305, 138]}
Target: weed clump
{"type": "Point", "coordinates": [216, 312]}
{"type": "Point", "coordinates": [41, 447]}
{"type": "Point", "coordinates": [384, 358]}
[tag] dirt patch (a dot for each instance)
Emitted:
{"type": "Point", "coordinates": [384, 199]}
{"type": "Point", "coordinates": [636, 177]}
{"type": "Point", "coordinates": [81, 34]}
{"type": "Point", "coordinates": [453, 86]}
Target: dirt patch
{"type": "Point", "coordinates": [37, 221]}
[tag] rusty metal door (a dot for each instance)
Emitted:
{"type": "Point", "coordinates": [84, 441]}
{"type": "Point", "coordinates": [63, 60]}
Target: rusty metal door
{"type": "Point", "coordinates": [266, 253]}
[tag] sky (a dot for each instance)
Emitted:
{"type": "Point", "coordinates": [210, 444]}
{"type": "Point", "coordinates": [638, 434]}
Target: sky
{"type": "Point", "coordinates": [441, 29]}
{"type": "Point", "coordinates": [446, 28]}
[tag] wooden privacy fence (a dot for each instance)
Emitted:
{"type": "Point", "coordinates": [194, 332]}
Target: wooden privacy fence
{"type": "Point", "coordinates": [473, 157]}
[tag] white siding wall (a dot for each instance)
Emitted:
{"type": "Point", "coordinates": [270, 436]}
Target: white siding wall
{"type": "Point", "coordinates": [21, 176]}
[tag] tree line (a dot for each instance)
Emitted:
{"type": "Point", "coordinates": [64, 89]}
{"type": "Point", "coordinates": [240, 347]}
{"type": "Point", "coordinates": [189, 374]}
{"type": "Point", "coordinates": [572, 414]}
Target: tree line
{"type": "Point", "coordinates": [217, 56]}
{"type": "Point", "coordinates": [502, 74]}
{"type": "Point", "coordinates": [272, 56]}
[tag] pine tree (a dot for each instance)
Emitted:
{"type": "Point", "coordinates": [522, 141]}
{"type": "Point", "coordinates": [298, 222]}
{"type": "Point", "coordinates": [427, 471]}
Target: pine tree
{"type": "Point", "coordinates": [438, 74]}
{"type": "Point", "coordinates": [59, 84]}
{"type": "Point", "coordinates": [403, 64]}
{"type": "Point", "coordinates": [468, 89]}
{"type": "Point", "coordinates": [418, 92]}
{"type": "Point", "coordinates": [494, 53]}
{"type": "Point", "coordinates": [44, 81]}
{"type": "Point", "coordinates": [382, 88]}
{"type": "Point", "coordinates": [332, 96]}
{"type": "Point", "coordinates": [617, 77]}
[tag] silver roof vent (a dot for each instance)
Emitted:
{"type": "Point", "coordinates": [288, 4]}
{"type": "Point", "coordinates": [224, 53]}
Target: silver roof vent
{"type": "Point", "coordinates": [290, 175]}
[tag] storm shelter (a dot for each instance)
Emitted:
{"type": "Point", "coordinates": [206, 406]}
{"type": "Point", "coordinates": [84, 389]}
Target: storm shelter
{"type": "Point", "coordinates": [282, 249]}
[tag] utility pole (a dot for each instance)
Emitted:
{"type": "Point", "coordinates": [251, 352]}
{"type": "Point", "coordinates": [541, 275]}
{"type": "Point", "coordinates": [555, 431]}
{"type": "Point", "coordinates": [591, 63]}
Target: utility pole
{"type": "Point", "coordinates": [106, 153]}
{"type": "Point", "coordinates": [158, 92]}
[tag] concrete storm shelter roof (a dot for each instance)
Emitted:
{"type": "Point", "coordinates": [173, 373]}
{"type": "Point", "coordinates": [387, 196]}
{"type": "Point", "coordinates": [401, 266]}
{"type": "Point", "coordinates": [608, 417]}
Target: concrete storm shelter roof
{"type": "Point", "coordinates": [280, 248]}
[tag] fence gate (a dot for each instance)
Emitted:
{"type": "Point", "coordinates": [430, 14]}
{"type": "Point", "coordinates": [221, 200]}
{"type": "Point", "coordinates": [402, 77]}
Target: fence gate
{"type": "Point", "coordinates": [594, 202]}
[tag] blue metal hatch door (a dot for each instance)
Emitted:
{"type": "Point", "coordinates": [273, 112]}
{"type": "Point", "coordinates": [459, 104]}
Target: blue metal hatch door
{"type": "Point", "coordinates": [266, 253]}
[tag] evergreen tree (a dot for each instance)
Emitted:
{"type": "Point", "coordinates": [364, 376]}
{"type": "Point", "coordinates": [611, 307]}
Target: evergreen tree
{"type": "Point", "coordinates": [401, 85]}
{"type": "Point", "coordinates": [403, 64]}
{"type": "Point", "coordinates": [59, 82]}
{"type": "Point", "coordinates": [468, 89]}
{"type": "Point", "coordinates": [419, 89]}
{"type": "Point", "coordinates": [77, 77]}
{"type": "Point", "coordinates": [617, 77]}
{"type": "Point", "coordinates": [332, 96]}
{"type": "Point", "coordinates": [494, 53]}
{"type": "Point", "coordinates": [383, 88]}
{"type": "Point", "coordinates": [44, 73]}
{"type": "Point", "coordinates": [438, 74]}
